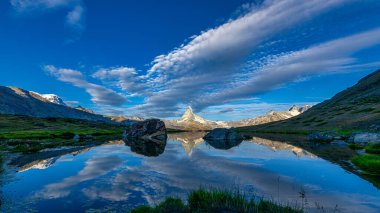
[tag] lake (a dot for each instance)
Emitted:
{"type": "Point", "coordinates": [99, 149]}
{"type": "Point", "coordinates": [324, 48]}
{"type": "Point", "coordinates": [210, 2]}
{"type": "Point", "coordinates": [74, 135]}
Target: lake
{"type": "Point", "coordinates": [118, 177]}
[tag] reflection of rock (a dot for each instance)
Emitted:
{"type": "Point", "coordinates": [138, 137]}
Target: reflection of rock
{"type": "Point", "coordinates": [223, 144]}
{"type": "Point", "coordinates": [189, 140]}
{"type": "Point", "coordinates": [221, 138]}
{"type": "Point", "coordinates": [276, 146]}
{"type": "Point", "coordinates": [151, 129]}
{"type": "Point", "coordinates": [223, 134]}
{"type": "Point", "coordinates": [150, 148]}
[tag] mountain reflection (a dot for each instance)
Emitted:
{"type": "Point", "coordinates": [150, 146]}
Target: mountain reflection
{"type": "Point", "coordinates": [277, 146]}
{"type": "Point", "coordinates": [189, 140]}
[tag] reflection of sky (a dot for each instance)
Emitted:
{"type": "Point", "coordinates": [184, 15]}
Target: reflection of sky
{"type": "Point", "coordinates": [113, 177]}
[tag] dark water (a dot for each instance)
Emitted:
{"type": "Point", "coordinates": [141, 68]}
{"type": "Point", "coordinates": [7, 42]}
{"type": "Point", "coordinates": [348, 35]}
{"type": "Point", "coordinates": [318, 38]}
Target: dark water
{"type": "Point", "coordinates": [118, 177]}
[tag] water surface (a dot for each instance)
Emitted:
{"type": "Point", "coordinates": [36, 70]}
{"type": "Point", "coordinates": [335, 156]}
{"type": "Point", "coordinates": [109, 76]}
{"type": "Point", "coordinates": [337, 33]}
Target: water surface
{"type": "Point", "coordinates": [118, 177]}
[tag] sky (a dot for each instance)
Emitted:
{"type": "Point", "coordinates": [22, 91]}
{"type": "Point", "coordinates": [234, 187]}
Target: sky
{"type": "Point", "coordinates": [227, 59]}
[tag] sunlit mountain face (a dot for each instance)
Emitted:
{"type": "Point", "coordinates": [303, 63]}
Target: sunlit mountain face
{"type": "Point", "coordinates": [229, 61]}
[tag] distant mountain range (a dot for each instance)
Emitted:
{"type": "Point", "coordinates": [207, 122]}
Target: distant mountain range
{"type": "Point", "coordinates": [357, 107]}
{"type": "Point", "coordinates": [192, 121]}
{"type": "Point", "coordinates": [16, 101]}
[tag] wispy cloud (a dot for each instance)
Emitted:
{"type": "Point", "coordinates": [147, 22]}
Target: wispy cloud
{"type": "Point", "coordinates": [330, 57]}
{"type": "Point", "coordinates": [212, 59]}
{"type": "Point", "coordinates": [74, 19]}
{"type": "Point", "coordinates": [99, 94]}
{"type": "Point", "coordinates": [125, 78]}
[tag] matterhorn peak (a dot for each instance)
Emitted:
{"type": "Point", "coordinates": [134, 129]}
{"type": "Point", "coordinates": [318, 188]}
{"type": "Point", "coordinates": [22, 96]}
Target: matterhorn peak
{"type": "Point", "coordinates": [188, 115]}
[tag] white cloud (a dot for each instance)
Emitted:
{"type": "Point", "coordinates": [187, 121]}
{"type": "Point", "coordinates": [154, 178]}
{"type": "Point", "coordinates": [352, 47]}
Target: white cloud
{"type": "Point", "coordinates": [99, 94]}
{"type": "Point", "coordinates": [212, 59]}
{"type": "Point", "coordinates": [24, 5]}
{"type": "Point", "coordinates": [74, 18]}
{"type": "Point", "coordinates": [330, 57]}
{"type": "Point", "coordinates": [125, 78]}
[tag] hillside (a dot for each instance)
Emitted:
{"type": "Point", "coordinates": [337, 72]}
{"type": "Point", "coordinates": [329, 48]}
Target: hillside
{"type": "Point", "coordinates": [356, 108]}
{"type": "Point", "coordinates": [16, 101]}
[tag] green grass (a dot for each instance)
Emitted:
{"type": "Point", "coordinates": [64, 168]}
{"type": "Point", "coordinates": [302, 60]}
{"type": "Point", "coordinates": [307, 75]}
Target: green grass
{"type": "Point", "coordinates": [364, 110]}
{"type": "Point", "coordinates": [373, 148]}
{"type": "Point", "coordinates": [355, 146]}
{"type": "Point", "coordinates": [369, 163]}
{"type": "Point", "coordinates": [29, 134]}
{"type": "Point", "coordinates": [215, 201]}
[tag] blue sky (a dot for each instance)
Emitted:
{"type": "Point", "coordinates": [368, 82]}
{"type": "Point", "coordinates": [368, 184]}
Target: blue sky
{"type": "Point", "coordinates": [228, 59]}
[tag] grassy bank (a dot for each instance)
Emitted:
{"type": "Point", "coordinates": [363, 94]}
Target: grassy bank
{"type": "Point", "coordinates": [369, 163]}
{"type": "Point", "coordinates": [30, 134]}
{"type": "Point", "coordinates": [215, 201]}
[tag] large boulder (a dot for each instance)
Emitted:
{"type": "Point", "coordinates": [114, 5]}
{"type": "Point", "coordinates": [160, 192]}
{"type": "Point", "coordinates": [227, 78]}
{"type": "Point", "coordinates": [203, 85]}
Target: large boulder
{"type": "Point", "coordinates": [223, 134]}
{"type": "Point", "coordinates": [150, 129]}
{"type": "Point", "coordinates": [364, 138]}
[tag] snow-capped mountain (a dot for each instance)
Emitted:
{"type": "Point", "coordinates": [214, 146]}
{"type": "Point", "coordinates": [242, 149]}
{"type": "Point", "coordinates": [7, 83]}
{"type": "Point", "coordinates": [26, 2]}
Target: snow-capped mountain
{"type": "Point", "coordinates": [192, 121]}
{"type": "Point", "coordinates": [16, 101]}
{"type": "Point", "coordinates": [52, 98]}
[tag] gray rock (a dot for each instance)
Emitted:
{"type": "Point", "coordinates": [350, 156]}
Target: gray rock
{"type": "Point", "coordinates": [150, 129]}
{"type": "Point", "coordinates": [223, 134]}
{"type": "Point", "coordinates": [364, 138]}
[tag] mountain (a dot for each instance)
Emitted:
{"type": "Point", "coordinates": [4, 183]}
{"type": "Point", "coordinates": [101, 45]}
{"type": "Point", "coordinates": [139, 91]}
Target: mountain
{"type": "Point", "coordinates": [271, 117]}
{"type": "Point", "coordinates": [52, 98]}
{"type": "Point", "coordinates": [126, 119]}
{"type": "Point", "coordinates": [16, 101]}
{"type": "Point", "coordinates": [192, 121]}
{"type": "Point", "coordinates": [357, 107]}
{"type": "Point", "coordinates": [84, 109]}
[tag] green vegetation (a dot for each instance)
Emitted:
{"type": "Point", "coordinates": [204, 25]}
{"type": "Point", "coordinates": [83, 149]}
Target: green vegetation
{"type": "Point", "coordinates": [355, 146]}
{"type": "Point", "coordinates": [29, 134]}
{"type": "Point", "coordinates": [215, 201]}
{"type": "Point", "coordinates": [373, 148]}
{"type": "Point", "coordinates": [369, 163]}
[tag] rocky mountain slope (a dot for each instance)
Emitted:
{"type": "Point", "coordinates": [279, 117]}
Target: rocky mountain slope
{"type": "Point", "coordinates": [16, 101]}
{"type": "Point", "coordinates": [192, 121]}
{"type": "Point", "coordinates": [357, 107]}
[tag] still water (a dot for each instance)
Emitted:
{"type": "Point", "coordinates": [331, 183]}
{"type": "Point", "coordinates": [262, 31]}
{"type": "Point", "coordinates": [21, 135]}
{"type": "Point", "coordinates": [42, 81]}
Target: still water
{"type": "Point", "coordinates": [117, 177]}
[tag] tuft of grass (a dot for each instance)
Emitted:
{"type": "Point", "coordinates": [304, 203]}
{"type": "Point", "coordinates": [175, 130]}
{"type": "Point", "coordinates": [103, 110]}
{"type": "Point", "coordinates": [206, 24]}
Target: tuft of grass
{"type": "Point", "coordinates": [215, 201]}
{"type": "Point", "coordinates": [369, 163]}
{"type": "Point", "coordinates": [373, 148]}
{"type": "Point", "coordinates": [355, 146]}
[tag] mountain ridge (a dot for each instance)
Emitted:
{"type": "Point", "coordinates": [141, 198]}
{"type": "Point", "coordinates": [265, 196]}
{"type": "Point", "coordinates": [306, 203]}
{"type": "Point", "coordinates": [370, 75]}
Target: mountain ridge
{"type": "Point", "coordinates": [357, 107]}
{"type": "Point", "coordinates": [193, 122]}
{"type": "Point", "coordinates": [17, 101]}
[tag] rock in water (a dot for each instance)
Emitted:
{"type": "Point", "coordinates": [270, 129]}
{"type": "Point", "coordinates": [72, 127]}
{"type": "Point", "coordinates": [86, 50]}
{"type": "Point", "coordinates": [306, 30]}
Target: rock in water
{"type": "Point", "coordinates": [151, 129]}
{"type": "Point", "coordinates": [223, 134]}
